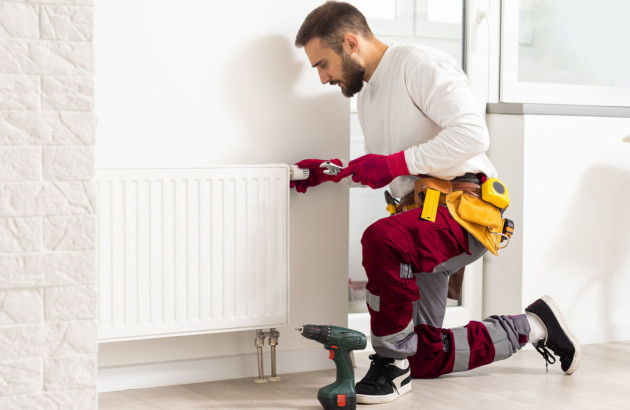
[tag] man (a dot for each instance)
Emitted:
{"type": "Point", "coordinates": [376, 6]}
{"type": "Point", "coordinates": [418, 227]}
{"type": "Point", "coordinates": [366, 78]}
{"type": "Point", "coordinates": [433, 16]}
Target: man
{"type": "Point", "coordinates": [419, 118]}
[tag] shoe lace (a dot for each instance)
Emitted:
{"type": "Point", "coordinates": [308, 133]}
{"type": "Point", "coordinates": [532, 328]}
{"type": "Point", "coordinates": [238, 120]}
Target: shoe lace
{"type": "Point", "coordinates": [546, 354]}
{"type": "Point", "coordinates": [378, 371]}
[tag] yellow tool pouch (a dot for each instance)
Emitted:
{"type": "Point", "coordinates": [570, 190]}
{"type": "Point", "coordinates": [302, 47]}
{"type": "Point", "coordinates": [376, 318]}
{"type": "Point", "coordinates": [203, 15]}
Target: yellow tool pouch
{"type": "Point", "coordinates": [479, 212]}
{"type": "Point", "coordinates": [481, 219]}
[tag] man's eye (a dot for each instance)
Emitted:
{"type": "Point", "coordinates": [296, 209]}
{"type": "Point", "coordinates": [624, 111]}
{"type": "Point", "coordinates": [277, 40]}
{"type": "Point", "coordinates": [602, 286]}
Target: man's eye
{"type": "Point", "coordinates": [323, 66]}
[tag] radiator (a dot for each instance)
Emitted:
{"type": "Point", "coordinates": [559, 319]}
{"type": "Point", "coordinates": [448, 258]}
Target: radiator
{"type": "Point", "coordinates": [191, 251]}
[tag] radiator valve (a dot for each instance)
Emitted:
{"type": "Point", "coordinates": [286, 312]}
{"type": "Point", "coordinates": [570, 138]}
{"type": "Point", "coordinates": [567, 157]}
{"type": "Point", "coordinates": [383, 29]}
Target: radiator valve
{"type": "Point", "coordinates": [296, 173]}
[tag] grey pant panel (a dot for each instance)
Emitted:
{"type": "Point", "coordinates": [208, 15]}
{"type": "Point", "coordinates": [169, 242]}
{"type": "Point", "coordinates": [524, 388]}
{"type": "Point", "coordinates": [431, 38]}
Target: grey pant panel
{"type": "Point", "coordinates": [513, 326]}
{"type": "Point", "coordinates": [398, 345]}
{"type": "Point", "coordinates": [462, 349]}
{"type": "Point", "coordinates": [504, 332]}
{"type": "Point", "coordinates": [500, 339]}
{"type": "Point", "coordinates": [431, 307]}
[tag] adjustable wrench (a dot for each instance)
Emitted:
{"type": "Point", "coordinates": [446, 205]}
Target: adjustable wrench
{"type": "Point", "coordinates": [331, 168]}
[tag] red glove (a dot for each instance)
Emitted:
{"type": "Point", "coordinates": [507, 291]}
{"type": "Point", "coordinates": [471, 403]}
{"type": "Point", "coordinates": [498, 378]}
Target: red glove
{"type": "Point", "coordinates": [316, 174]}
{"type": "Point", "coordinates": [374, 170]}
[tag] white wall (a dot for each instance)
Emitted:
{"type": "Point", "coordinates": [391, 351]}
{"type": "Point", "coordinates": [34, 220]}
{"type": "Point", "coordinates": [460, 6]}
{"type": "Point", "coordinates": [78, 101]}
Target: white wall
{"type": "Point", "coordinates": [574, 228]}
{"type": "Point", "coordinates": [47, 225]}
{"type": "Point", "coordinates": [195, 83]}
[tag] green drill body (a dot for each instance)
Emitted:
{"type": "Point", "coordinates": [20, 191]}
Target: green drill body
{"type": "Point", "coordinates": [339, 342]}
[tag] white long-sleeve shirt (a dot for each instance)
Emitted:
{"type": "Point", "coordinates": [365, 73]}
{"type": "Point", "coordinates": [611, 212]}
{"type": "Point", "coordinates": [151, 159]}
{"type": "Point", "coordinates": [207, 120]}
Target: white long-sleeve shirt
{"type": "Point", "coordinates": [418, 100]}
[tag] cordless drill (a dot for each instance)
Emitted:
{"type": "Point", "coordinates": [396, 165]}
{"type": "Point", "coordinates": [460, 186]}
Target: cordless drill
{"type": "Point", "coordinates": [339, 342]}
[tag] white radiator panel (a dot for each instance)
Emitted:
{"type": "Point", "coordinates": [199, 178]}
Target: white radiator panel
{"type": "Point", "coordinates": [190, 251]}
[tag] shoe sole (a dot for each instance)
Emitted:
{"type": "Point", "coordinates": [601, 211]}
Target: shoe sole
{"type": "Point", "coordinates": [365, 399]}
{"type": "Point", "coordinates": [565, 327]}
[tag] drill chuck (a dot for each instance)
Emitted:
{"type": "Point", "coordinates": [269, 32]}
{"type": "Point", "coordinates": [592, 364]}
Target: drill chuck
{"type": "Point", "coordinates": [320, 334]}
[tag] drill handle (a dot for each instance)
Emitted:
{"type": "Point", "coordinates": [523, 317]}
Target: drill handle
{"type": "Point", "coordinates": [343, 362]}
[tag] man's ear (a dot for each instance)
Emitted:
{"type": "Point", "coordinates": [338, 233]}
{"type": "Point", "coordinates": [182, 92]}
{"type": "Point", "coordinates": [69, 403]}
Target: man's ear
{"type": "Point", "coordinates": [350, 43]}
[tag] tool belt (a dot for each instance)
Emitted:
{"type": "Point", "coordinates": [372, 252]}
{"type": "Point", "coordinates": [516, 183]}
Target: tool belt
{"type": "Point", "coordinates": [463, 197]}
{"type": "Point", "coordinates": [468, 183]}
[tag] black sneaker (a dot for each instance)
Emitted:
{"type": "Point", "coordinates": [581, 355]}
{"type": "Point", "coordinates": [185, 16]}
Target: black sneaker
{"type": "Point", "coordinates": [559, 338]}
{"type": "Point", "coordinates": [384, 381]}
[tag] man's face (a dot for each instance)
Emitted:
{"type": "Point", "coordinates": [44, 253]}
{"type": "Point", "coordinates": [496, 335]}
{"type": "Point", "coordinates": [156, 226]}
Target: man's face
{"type": "Point", "coordinates": [335, 69]}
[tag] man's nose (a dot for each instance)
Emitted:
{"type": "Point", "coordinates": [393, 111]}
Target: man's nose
{"type": "Point", "coordinates": [324, 77]}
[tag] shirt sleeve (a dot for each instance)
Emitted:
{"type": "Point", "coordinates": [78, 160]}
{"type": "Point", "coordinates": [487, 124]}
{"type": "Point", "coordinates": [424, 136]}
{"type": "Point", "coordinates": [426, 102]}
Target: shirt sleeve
{"type": "Point", "coordinates": [440, 90]}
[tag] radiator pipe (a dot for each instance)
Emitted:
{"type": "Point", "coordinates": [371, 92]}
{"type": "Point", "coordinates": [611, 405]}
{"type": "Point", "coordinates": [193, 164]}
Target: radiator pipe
{"type": "Point", "coordinates": [273, 336]}
{"type": "Point", "coordinates": [260, 342]}
{"type": "Point", "coordinates": [273, 342]}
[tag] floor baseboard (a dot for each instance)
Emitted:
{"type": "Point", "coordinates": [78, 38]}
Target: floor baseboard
{"type": "Point", "coordinates": [141, 376]}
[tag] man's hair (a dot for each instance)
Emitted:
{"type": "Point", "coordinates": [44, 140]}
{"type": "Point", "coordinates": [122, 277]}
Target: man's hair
{"type": "Point", "coordinates": [330, 22]}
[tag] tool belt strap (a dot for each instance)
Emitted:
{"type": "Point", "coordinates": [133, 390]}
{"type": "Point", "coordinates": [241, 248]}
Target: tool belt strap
{"type": "Point", "coordinates": [416, 198]}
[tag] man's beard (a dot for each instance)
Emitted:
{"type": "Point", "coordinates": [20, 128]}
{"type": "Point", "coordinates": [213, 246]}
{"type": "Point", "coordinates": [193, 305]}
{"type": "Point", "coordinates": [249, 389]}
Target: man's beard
{"type": "Point", "coordinates": [353, 74]}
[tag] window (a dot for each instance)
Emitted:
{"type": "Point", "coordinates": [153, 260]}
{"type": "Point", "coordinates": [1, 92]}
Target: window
{"type": "Point", "coordinates": [565, 52]}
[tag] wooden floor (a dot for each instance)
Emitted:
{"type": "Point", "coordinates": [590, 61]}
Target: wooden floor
{"type": "Point", "coordinates": [601, 382]}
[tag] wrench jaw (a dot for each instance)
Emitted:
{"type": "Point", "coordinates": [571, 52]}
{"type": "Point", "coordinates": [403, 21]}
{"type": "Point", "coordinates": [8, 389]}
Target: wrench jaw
{"type": "Point", "coordinates": [331, 169]}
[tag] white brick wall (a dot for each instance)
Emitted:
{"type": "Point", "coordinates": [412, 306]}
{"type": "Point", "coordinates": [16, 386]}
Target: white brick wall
{"type": "Point", "coordinates": [48, 333]}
